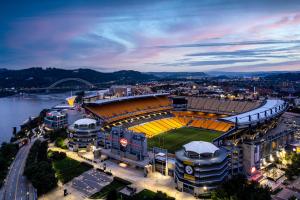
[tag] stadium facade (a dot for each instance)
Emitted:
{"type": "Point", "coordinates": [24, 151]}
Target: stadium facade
{"type": "Point", "coordinates": [83, 133]}
{"type": "Point", "coordinates": [128, 144]}
{"type": "Point", "coordinates": [200, 167]}
{"type": "Point", "coordinates": [55, 120]}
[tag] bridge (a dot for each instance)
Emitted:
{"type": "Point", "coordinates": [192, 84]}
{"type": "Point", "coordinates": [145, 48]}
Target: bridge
{"type": "Point", "coordinates": [69, 79]}
{"type": "Point", "coordinates": [53, 85]}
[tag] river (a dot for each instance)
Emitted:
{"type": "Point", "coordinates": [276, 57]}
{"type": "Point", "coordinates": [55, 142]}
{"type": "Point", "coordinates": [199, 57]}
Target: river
{"type": "Point", "coordinates": [16, 109]}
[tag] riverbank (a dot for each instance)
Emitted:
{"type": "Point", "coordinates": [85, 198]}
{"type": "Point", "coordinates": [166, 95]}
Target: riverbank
{"type": "Point", "coordinates": [18, 108]}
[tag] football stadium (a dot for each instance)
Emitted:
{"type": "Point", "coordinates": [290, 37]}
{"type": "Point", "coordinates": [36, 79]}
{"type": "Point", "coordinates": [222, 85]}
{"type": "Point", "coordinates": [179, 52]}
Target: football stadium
{"type": "Point", "coordinates": [199, 141]}
{"type": "Point", "coordinates": [169, 122]}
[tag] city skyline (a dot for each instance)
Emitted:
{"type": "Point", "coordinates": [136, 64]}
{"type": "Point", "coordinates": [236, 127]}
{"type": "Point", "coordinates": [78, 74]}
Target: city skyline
{"type": "Point", "coordinates": [151, 36]}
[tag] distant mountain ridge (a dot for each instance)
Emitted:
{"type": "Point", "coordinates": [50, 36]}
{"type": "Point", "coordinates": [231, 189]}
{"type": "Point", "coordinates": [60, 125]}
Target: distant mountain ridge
{"type": "Point", "coordinates": [247, 74]}
{"type": "Point", "coordinates": [39, 77]}
{"type": "Point", "coordinates": [290, 76]}
{"type": "Point", "coordinates": [178, 75]}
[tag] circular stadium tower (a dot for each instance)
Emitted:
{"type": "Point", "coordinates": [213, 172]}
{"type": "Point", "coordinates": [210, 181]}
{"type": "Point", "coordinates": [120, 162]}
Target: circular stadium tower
{"type": "Point", "coordinates": [82, 133]}
{"type": "Point", "coordinates": [55, 120]}
{"type": "Point", "coordinates": [200, 167]}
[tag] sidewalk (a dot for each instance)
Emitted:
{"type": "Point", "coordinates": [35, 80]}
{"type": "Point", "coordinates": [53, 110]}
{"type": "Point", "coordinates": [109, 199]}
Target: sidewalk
{"type": "Point", "coordinates": [290, 190]}
{"type": "Point", "coordinates": [155, 181]}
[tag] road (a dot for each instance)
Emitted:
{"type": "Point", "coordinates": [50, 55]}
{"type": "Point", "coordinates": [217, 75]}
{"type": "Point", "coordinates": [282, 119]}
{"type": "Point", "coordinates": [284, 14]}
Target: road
{"type": "Point", "coordinates": [17, 187]}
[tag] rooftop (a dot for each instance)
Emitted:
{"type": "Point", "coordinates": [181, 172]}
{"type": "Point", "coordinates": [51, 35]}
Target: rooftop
{"type": "Point", "coordinates": [85, 121]}
{"type": "Point", "coordinates": [105, 101]}
{"type": "Point", "coordinates": [55, 113]}
{"type": "Point", "coordinates": [200, 147]}
{"type": "Point", "coordinates": [270, 104]}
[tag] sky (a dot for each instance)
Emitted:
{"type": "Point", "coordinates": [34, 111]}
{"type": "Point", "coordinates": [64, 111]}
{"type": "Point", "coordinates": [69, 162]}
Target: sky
{"type": "Point", "coordinates": [151, 35]}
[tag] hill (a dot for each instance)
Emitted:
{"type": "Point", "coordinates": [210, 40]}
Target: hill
{"type": "Point", "coordinates": [39, 77]}
{"type": "Point", "coordinates": [178, 75]}
{"type": "Point", "coordinates": [291, 76]}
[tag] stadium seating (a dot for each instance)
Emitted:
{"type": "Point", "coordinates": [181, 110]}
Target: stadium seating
{"type": "Point", "coordinates": [158, 126]}
{"type": "Point", "coordinates": [220, 106]}
{"type": "Point", "coordinates": [119, 110]}
{"type": "Point", "coordinates": [211, 124]}
{"type": "Point", "coordinates": [152, 115]}
{"type": "Point", "coordinates": [195, 114]}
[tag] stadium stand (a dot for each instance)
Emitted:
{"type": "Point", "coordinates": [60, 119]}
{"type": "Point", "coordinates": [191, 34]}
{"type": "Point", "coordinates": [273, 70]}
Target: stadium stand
{"type": "Point", "coordinates": [194, 114]}
{"type": "Point", "coordinates": [270, 109]}
{"type": "Point", "coordinates": [220, 106]}
{"type": "Point", "coordinates": [211, 124]}
{"type": "Point", "coordinates": [153, 115]}
{"type": "Point", "coordinates": [136, 120]}
{"type": "Point", "coordinates": [112, 111]}
{"type": "Point", "coordinates": [158, 126]}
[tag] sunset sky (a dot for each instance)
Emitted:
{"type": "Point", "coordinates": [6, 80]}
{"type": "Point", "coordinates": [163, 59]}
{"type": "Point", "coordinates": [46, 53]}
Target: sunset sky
{"type": "Point", "coordinates": [150, 35]}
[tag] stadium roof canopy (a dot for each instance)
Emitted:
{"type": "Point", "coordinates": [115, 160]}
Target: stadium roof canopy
{"type": "Point", "coordinates": [269, 109]}
{"type": "Point", "coordinates": [85, 121]}
{"type": "Point", "coordinates": [200, 147]}
{"type": "Point", "coordinates": [55, 113]}
{"type": "Point", "coordinates": [95, 94]}
{"type": "Point", "coordinates": [106, 101]}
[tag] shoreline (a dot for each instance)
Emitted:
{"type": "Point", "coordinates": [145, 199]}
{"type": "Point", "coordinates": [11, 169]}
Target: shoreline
{"type": "Point", "coordinates": [13, 114]}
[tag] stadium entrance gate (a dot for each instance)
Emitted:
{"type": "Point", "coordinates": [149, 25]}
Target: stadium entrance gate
{"type": "Point", "coordinates": [160, 160]}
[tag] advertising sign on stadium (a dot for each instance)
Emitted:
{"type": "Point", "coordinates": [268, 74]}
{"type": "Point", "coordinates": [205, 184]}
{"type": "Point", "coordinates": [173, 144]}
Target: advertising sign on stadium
{"type": "Point", "coordinates": [297, 149]}
{"type": "Point", "coordinates": [189, 169]}
{"type": "Point", "coordinates": [123, 142]}
{"type": "Point", "coordinates": [189, 177]}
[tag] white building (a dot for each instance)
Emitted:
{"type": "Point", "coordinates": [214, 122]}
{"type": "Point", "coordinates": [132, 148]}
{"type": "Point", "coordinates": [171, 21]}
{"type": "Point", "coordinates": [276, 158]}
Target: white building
{"type": "Point", "coordinates": [55, 120]}
{"type": "Point", "coordinates": [83, 133]}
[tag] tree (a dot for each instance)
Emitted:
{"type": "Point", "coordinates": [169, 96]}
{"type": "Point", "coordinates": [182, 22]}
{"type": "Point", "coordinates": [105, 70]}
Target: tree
{"type": "Point", "coordinates": [60, 133]}
{"type": "Point", "coordinates": [7, 153]}
{"type": "Point", "coordinates": [162, 196]}
{"type": "Point", "coordinates": [3, 165]}
{"type": "Point", "coordinates": [42, 151]}
{"type": "Point", "coordinates": [38, 168]}
{"type": "Point", "coordinates": [79, 98]}
{"type": "Point", "coordinates": [60, 142]}
{"type": "Point", "coordinates": [55, 155]}
{"type": "Point", "coordinates": [292, 197]}
{"type": "Point", "coordinates": [9, 150]}
{"type": "Point", "coordinates": [293, 169]}
{"type": "Point", "coordinates": [38, 173]}
{"type": "Point", "coordinates": [112, 195]}
{"type": "Point", "coordinates": [240, 188]}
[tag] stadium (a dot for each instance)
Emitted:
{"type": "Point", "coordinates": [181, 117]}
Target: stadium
{"type": "Point", "coordinates": [199, 141]}
{"type": "Point", "coordinates": [170, 122]}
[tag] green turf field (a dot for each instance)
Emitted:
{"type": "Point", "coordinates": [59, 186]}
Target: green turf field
{"type": "Point", "coordinates": [174, 139]}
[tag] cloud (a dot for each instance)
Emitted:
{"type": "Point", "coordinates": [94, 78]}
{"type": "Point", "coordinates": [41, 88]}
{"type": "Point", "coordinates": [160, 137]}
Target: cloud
{"type": "Point", "coordinates": [208, 62]}
{"type": "Point", "coordinates": [137, 34]}
{"type": "Point", "coordinates": [284, 21]}
{"type": "Point", "coordinates": [266, 52]}
{"type": "Point", "coordinates": [223, 62]}
{"type": "Point", "coordinates": [242, 43]}
{"type": "Point", "coordinates": [281, 66]}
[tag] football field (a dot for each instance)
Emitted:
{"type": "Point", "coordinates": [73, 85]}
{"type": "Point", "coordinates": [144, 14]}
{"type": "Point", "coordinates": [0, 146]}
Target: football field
{"type": "Point", "coordinates": [174, 139]}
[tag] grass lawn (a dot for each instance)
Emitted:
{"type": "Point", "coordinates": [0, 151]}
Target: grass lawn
{"type": "Point", "coordinates": [60, 142]}
{"type": "Point", "coordinates": [67, 169]}
{"type": "Point", "coordinates": [145, 194]}
{"type": "Point", "coordinates": [150, 195]}
{"type": "Point", "coordinates": [116, 185]}
{"type": "Point", "coordinates": [174, 139]}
